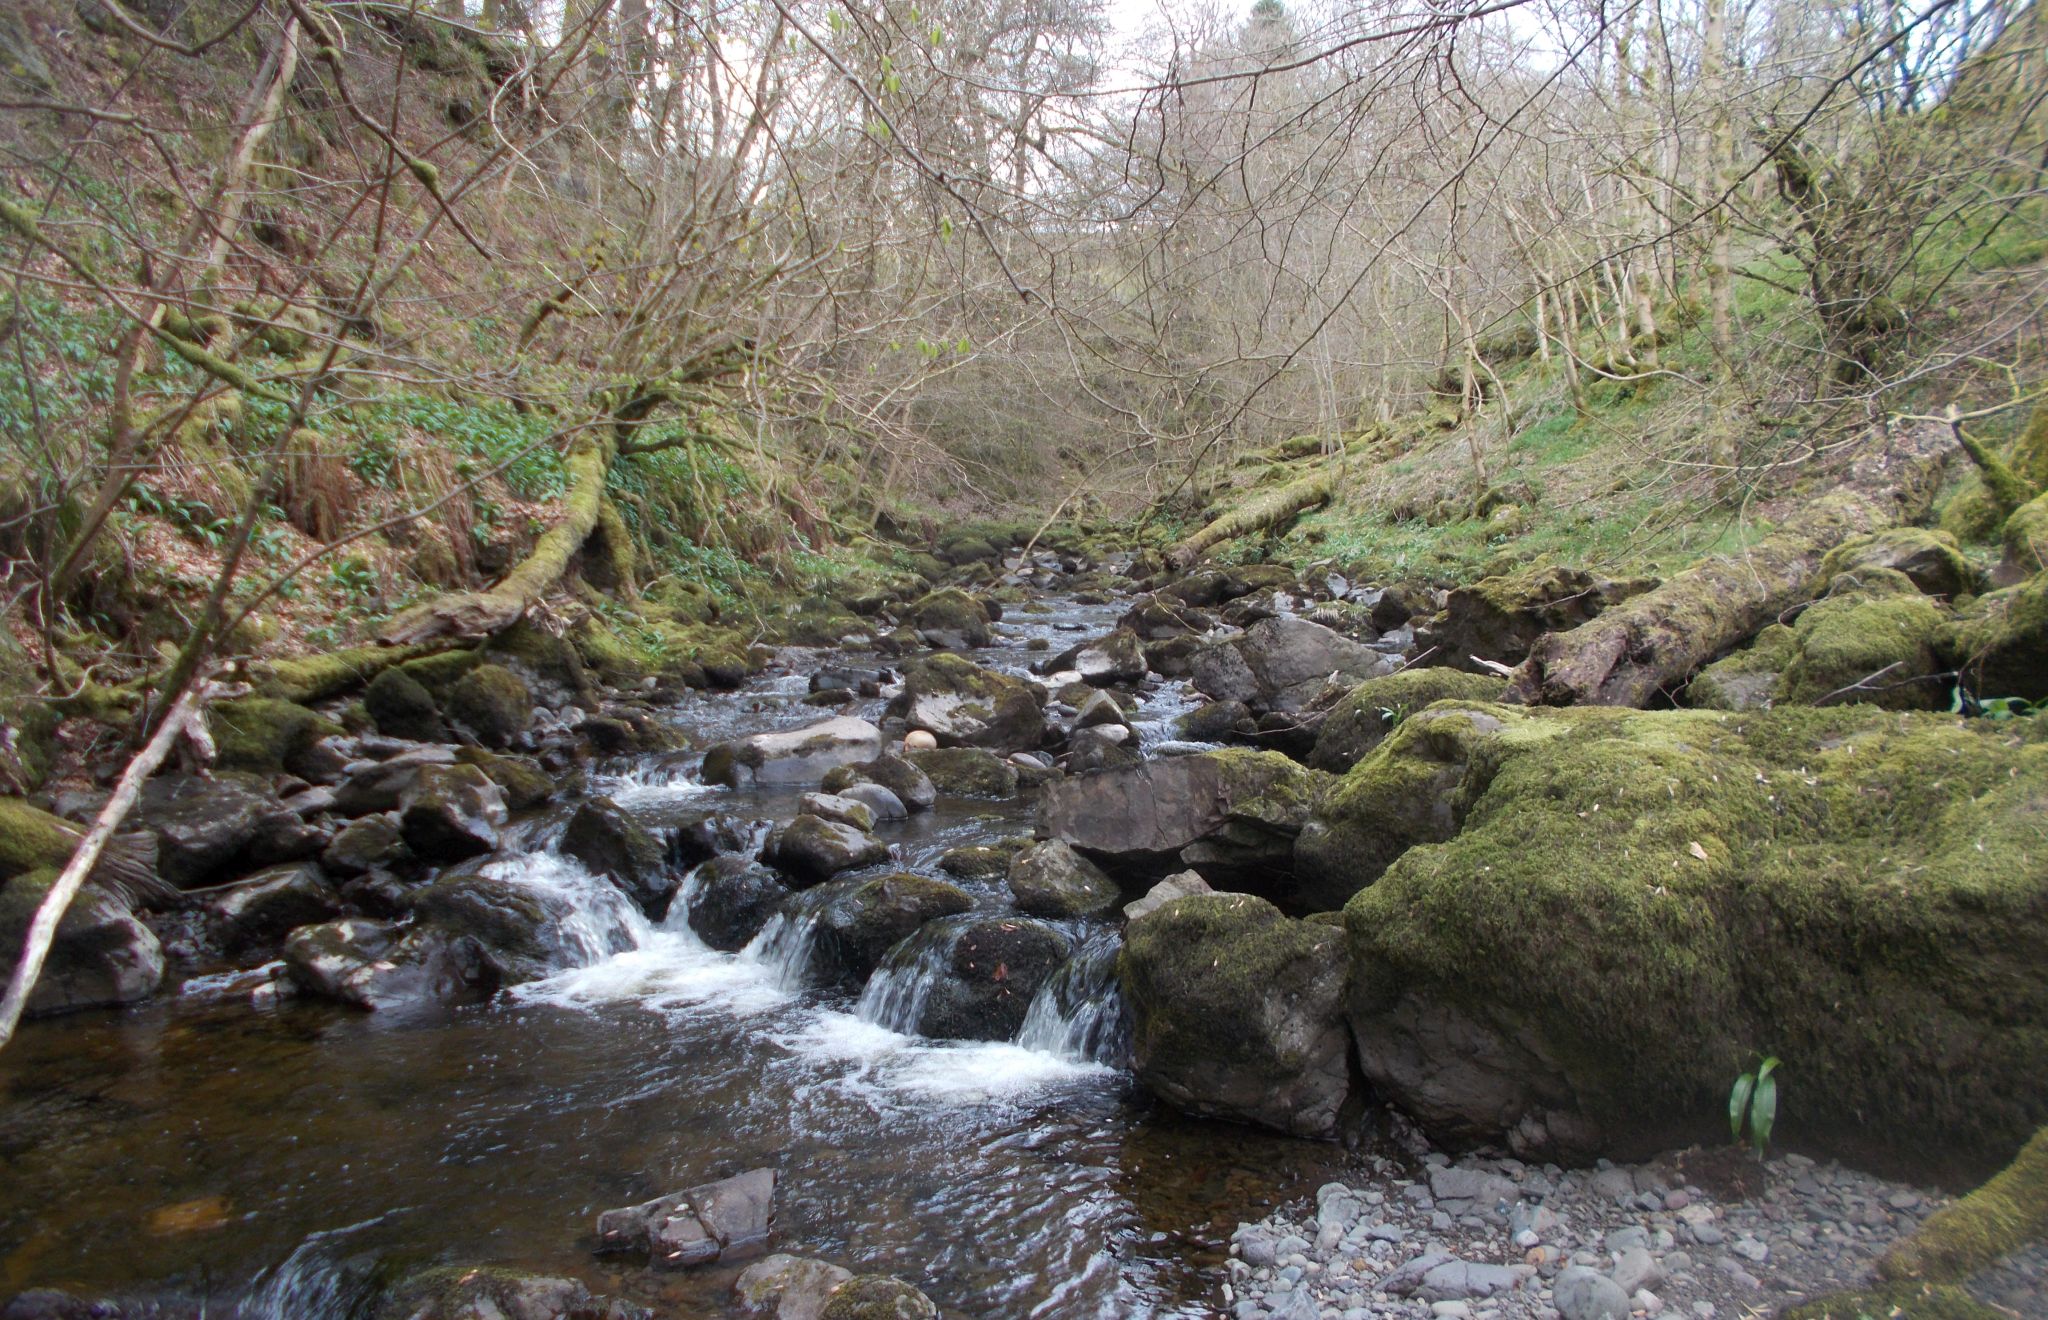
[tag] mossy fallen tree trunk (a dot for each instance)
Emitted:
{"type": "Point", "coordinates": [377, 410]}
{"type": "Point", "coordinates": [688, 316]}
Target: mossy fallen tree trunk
{"type": "Point", "coordinates": [1274, 509]}
{"type": "Point", "coordinates": [1652, 643]}
{"type": "Point", "coordinates": [1999, 1218]}
{"type": "Point", "coordinates": [479, 614]}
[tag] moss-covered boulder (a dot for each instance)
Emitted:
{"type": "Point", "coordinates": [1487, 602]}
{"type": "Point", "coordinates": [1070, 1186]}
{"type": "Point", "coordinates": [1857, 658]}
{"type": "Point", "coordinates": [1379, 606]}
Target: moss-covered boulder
{"type": "Point", "coordinates": [1746, 679]}
{"type": "Point", "coordinates": [1372, 710]}
{"type": "Point", "coordinates": [493, 703]}
{"type": "Point", "coordinates": [970, 977]}
{"type": "Point", "coordinates": [101, 955]}
{"type": "Point", "coordinates": [551, 666]}
{"type": "Point", "coordinates": [1931, 560]}
{"type": "Point", "coordinates": [520, 778]}
{"type": "Point", "coordinates": [2000, 642]}
{"type": "Point", "coordinates": [1050, 879]}
{"type": "Point", "coordinates": [2004, 1215]}
{"type": "Point", "coordinates": [983, 861]}
{"type": "Point", "coordinates": [2025, 536]}
{"type": "Point", "coordinates": [966, 772]}
{"type": "Point", "coordinates": [949, 617]}
{"type": "Point", "coordinates": [810, 850]}
{"type": "Point", "coordinates": [1232, 815]}
{"type": "Point", "coordinates": [860, 919]}
{"type": "Point", "coordinates": [1238, 1012]}
{"type": "Point", "coordinates": [402, 707]}
{"type": "Point", "coordinates": [964, 705]}
{"type": "Point", "coordinates": [1607, 912]}
{"type": "Point", "coordinates": [878, 1297]}
{"type": "Point", "coordinates": [1918, 1301]}
{"type": "Point", "coordinates": [266, 735]}
{"type": "Point", "coordinates": [1878, 645]}
{"type": "Point", "coordinates": [1499, 618]}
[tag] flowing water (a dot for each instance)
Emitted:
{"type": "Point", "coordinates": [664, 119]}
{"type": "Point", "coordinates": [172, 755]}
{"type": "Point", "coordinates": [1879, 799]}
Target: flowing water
{"type": "Point", "coordinates": [231, 1155]}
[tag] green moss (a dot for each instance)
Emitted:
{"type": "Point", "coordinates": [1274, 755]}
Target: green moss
{"type": "Point", "coordinates": [1910, 1302]}
{"type": "Point", "coordinates": [1999, 1218]}
{"type": "Point", "coordinates": [1879, 649]}
{"type": "Point", "coordinates": [2026, 536]}
{"type": "Point", "coordinates": [967, 772]}
{"type": "Point", "coordinates": [1373, 709]}
{"type": "Point", "coordinates": [439, 674]}
{"type": "Point", "coordinates": [402, 707]}
{"type": "Point", "coordinates": [264, 734]}
{"type": "Point", "coordinates": [950, 610]}
{"type": "Point", "coordinates": [1748, 679]}
{"type": "Point", "coordinates": [522, 781]}
{"type": "Point", "coordinates": [2030, 451]}
{"type": "Point", "coordinates": [1931, 560]}
{"type": "Point", "coordinates": [317, 677]}
{"type": "Point", "coordinates": [31, 839]}
{"type": "Point", "coordinates": [877, 1297]}
{"type": "Point", "coordinates": [493, 702]}
{"type": "Point", "coordinates": [1971, 515]}
{"type": "Point", "coordinates": [990, 861]}
{"type": "Point", "coordinates": [2000, 642]}
{"type": "Point", "coordinates": [1855, 891]}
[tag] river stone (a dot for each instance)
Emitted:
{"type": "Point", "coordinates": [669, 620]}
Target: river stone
{"type": "Point", "coordinates": [1238, 1012]}
{"type": "Point", "coordinates": [374, 786]}
{"type": "Point", "coordinates": [993, 967]}
{"type": "Point", "coordinates": [983, 861]}
{"type": "Point", "coordinates": [612, 844]}
{"type": "Point", "coordinates": [1580, 1293]}
{"type": "Point", "coordinates": [860, 920]}
{"type": "Point", "coordinates": [967, 772]}
{"type": "Point", "coordinates": [461, 1292]}
{"type": "Point", "coordinates": [1215, 721]}
{"type": "Point", "coordinates": [1456, 1280]}
{"type": "Point", "coordinates": [1172, 887]}
{"type": "Point", "coordinates": [1232, 815]}
{"type": "Point", "coordinates": [369, 844]}
{"type": "Point", "coordinates": [878, 1297]}
{"type": "Point", "coordinates": [788, 1287]}
{"type": "Point", "coordinates": [451, 812]}
{"type": "Point", "coordinates": [962, 704]}
{"type": "Point", "coordinates": [950, 617]}
{"type": "Point", "coordinates": [269, 905]}
{"type": "Point", "coordinates": [1280, 664]}
{"type": "Point", "coordinates": [1050, 879]}
{"type": "Point", "coordinates": [1157, 619]}
{"type": "Point", "coordinates": [797, 756]}
{"type": "Point", "coordinates": [1101, 709]}
{"type": "Point", "coordinates": [101, 954]}
{"type": "Point", "coordinates": [910, 784]}
{"type": "Point", "coordinates": [401, 707]}
{"type": "Point", "coordinates": [730, 898]}
{"type": "Point", "coordinates": [833, 807]}
{"type": "Point", "coordinates": [811, 849]}
{"type": "Point", "coordinates": [493, 703]}
{"type": "Point", "coordinates": [210, 829]}
{"type": "Point", "coordinates": [1092, 750]}
{"type": "Point", "coordinates": [379, 965]}
{"type": "Point", "coordinates": [880, 802]}
{"type": "Point", "coordinates": [1114, 660]}
{"type": "Point", "coordinates": [695, 1226]}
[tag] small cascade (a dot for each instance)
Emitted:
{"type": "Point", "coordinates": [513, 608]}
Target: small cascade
{"type": "Point", "coordinates": [589, 919]}
{"type": "Point", "coordinates": [1078, 1014]}
{"type": "Point", "coordinates": [313, 1282]}
{"type": "Point", "coordinates": [786, 943]}
{"type": "Point", "coordinates": [652, 783]}
{"type": "Point", "coordinates": [895, 995]}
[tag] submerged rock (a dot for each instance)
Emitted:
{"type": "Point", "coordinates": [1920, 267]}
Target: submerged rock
{"type": "Point", "coordinates": [789, 1287]}
{"type": "Point", "coordinates": [695, 1227]}
{"type": "Point", "coordinates": [1238, 1012]}
{"type": "Point", "coordinates": [798, 756]}
{"type": "Point", "coordinates": [878, 1297]}
{"type": "Point", "coordinates": [980, 976]}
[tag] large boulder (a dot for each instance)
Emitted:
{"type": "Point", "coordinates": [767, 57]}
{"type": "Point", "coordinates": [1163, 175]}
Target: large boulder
{"type": "Point", "coordinates": [950, 617]}
{"type": "Point", "coordinates": [912, 787]}
{"type": "Point", "coordinates": [451, 813]}
{"type": "Point", "coordinates": [211, 829]}
{"type": "Point", "coordinates": [1932, 561]}
{"type": "Point", "coordinates": [963, 705]}
{"type": "Point", "coordinates": [101, 954]}
{"type": "Point", "coordinates": [797, 756]}
{"type": "Point", "coordinates": [612, 844]}
{"type": "Point", "coordinates": [1050, 879]}
{"type": "Point", "coordinates": [493, 703]}
{"type": "Point", "coordinates": [1118, 658]}
{"type": "Point", "coordinates": [971, 977]}
{"type": "Point", "coordinates": [1622, 906]}
{"type": "Point", "coordinates": [1238, 1012]}
{"type": "Point", "coordinates": [1499, 618]}
{"type": "Point", "coordinates": [696, 1226]}
{"type": "Point", "coordinates": [728, 899]}
{"type": "Point", "coordinates": [266, 736]}
{"type": "Point", "coordinates": [811, 850]}
{"type": "Point", "coordinates": [859, 920]}
{"type": "Point", "coordinates": [1369, 712]}
{"type": "Point", "coordinates": [402, 707]}
{"type": "Point", "coordinates": [1281, 664]}
{"type": "Point", "coordinates": [967, 772]}
{"type": "Point", "coordinates": [1232, 815]}
{"type": "Point", "coordinates": [2000, 642]}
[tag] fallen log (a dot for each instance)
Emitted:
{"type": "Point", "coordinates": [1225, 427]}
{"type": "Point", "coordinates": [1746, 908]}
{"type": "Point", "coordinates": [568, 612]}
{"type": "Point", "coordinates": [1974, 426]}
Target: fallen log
{"type": "Point", "coordinates": [1276, 508]}
{"type": "Point", "coordinates": [1629, 654]}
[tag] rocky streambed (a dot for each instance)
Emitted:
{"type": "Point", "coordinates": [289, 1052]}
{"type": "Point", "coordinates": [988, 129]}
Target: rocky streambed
{"type": "Point", "coordinates": [1002, 957]}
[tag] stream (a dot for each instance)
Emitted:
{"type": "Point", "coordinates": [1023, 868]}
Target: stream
{"type": "Point", "coordinates": [236, 1155]}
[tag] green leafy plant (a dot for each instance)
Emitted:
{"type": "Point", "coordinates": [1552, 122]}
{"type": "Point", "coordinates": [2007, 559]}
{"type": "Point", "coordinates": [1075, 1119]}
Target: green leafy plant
{"type": "Point", "coordinates": [1754, 1100]}
{"type": "Point", "coordinates": [354, 576]}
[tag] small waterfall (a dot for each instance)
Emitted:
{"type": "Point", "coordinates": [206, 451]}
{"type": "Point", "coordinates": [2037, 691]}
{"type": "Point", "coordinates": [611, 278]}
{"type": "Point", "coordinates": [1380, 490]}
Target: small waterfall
{"type": "Point", "coordinates": [784, 947]}
{"type": "Point", "coordinates": [895, 995]}
{"type": "Point", "coordinates": [1079, 1014]}
{"type": "Point", "coordinates": [312, 1281]}
{"type": "Point", "coordinates": [589, 919]}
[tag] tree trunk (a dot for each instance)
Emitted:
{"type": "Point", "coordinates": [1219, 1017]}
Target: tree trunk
{"type": "Point", "coordinates": [1274, 509]}
{"type": "Point", "coordinates": [1649, 645]}
{"type": "Point", "coordinates": [477, 614]}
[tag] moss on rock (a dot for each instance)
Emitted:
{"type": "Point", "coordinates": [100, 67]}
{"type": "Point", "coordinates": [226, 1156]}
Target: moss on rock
{"type": "Point", "coordinates": [2000, 642]}
{"type": "Point", "coordinates": [878, 1297]}
{"type": "Point", "coordinates": [1879, 646]}
{"type": "Point", "coordinates": [1857, 891]}
{"type": "Point", "coordinates": [493, 703]}
{"type": "Point", "coordinates": [402, 707]}
{"type": "Point", "coordinates": [1999, 1218]}
{"type": "Point", "coordinates": [1747, 679]}
{"type": "Point", "coordinates": [31, 839]}
{"type": "Point", "coordinates": [1373, 709]}
{"type": "Point", "coordinates": [967, 772]}
{"type": "Point", "coordinates": [1908, 1302]}
{"type": "Point", "coordinates": [950, 611]}
{"type": "Point", "coordinates": [1930, 559]}
{"type": "Point", "coordinates": [264, 734]}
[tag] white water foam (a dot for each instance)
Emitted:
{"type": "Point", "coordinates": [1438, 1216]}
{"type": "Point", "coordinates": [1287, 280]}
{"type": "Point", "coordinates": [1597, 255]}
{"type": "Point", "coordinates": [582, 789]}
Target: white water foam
{"type": "Point", "coordinates": [651, 785]}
